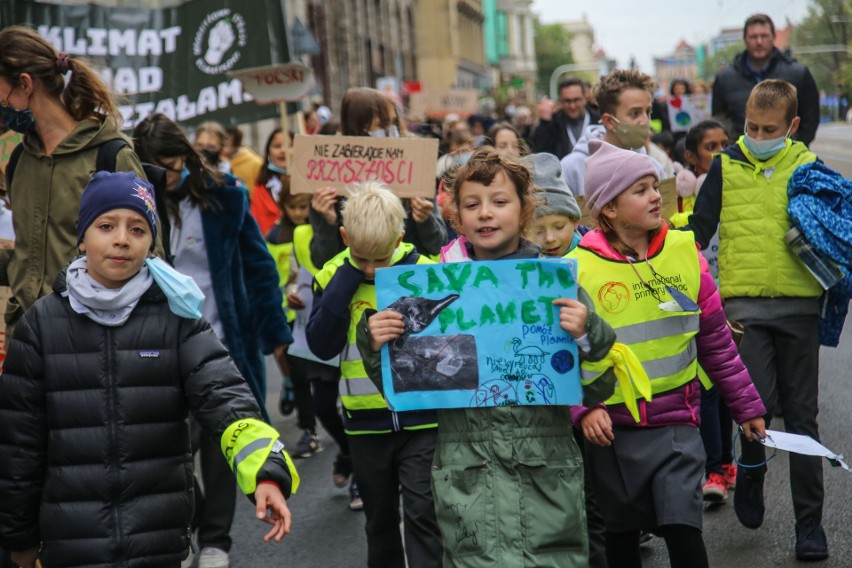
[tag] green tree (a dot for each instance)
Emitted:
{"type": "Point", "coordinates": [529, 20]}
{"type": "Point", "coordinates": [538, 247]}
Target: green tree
{"type": "Point", "coordinates": [720, 60]}
{"type": "Point", "coordinates": [552, 49]}
{"type": "Point", "coordinates": [823, 42]}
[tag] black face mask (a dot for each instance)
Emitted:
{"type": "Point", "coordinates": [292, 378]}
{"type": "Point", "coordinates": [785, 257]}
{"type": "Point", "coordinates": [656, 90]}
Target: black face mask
{"type": "Point", "coordinates": [20, 121]}
{"type": "Point", "coordinates": [211, 156]}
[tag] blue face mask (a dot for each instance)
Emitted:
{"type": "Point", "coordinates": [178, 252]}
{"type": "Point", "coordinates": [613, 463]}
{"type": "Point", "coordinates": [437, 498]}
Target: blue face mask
{"type": "Point", "coordinates": [273, 168]}
{"type": "Point", "coordinates": [184, 173]}
{"type": "Point", "coordinates": [183, 294]}
{"type": "Point", "coordinates": [20, 121]}
{"type": "Point", "coordinates": [765, 149]}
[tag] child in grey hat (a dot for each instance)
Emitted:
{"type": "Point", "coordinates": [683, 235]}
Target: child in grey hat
{"type": "Point", "coordinates": [558, 214]}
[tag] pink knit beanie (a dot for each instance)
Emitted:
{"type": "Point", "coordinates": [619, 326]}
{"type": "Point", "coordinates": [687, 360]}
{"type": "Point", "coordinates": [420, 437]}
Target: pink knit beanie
{"type": "Point", "coordinates": [611, 170]}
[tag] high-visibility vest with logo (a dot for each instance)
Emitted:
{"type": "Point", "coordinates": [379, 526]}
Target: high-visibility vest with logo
{"type": "Point", "coordinates": [357, 391]}
{"type": "Point", "coordinates": [662, 340]}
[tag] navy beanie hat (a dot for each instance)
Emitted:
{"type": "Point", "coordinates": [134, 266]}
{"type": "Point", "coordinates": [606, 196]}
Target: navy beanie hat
{"type": "Point", "coordinates": [119, 190]}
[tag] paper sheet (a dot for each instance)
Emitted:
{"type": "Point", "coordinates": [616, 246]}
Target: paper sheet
{"type": "Point", "coordinates": [802, 445]}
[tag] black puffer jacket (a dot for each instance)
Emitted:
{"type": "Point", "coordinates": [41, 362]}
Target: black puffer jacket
{"type": "Point", "coordinates": [95, 459]}
{"type": "Point", "coordinates": [733, 85]}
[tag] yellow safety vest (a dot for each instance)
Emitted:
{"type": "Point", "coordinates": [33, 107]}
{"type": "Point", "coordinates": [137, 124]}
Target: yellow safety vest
{"type": "Point", "coordinates": [357, 391]}
{"type": "Point", "coordinates": [281, 254]}
{"type": "Point", "coordinates": [302, 237]}
{"type": "Point", "coordinates": [663, 341]}
{"type": "Point", "coordinates": [754, 260]}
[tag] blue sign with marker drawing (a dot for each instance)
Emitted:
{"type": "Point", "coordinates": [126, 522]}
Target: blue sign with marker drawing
{"type": "Point", "coordinates": [479, 334]}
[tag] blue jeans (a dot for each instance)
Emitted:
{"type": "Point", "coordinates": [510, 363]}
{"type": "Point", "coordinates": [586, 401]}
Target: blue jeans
{"type": "Point", "coordinates": [716, 431]}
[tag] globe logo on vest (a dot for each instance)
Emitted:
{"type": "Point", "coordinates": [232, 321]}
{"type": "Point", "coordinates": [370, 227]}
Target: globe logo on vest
{"type": "Point", "coordinates": [614, 297]}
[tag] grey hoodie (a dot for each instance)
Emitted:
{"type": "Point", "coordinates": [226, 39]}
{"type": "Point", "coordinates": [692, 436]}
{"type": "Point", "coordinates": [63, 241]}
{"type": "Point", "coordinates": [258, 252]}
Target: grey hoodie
{"type": "Point", "coordinates": [574, 164]}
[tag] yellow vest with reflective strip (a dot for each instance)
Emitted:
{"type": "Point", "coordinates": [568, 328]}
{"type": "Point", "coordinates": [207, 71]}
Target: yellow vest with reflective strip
{"type": "Point", "coordinates": [357, 391]}
{"type": "Point", "coordinates": [281, 254]}
{"type": "Point", "coordinates": [302, 237]}
{"type": "Point", "coordinates": [663, 341]}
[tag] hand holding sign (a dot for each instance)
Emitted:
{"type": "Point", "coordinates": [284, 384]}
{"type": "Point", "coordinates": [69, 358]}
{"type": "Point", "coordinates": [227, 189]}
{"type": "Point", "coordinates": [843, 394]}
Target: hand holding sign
{"type": "Point", "coordinates": [421, 209]}
{"type": "Point", "coordinates": [324, 202]}
{"type": "Point", "coordinates": [384, 326]}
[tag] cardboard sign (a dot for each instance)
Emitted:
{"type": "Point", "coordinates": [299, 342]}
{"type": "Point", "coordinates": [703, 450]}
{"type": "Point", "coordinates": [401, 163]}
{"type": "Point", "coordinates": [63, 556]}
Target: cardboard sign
{"type": "Point", "coordinates": [405, 165]}
{"type": "Point", "coordinates": [438, 104]}
{"type": "Point", "coordinates": [276, 83]}
{"type": "Point", "coordinates": [688, 110]}
{"type": "Point", "coordinates": [479, 334]}
{"type": "Point", "coordinates": [668, 191]}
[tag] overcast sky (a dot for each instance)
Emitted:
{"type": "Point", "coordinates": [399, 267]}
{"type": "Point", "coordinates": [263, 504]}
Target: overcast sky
{"type": "Point", "coordinates": [649, 28]}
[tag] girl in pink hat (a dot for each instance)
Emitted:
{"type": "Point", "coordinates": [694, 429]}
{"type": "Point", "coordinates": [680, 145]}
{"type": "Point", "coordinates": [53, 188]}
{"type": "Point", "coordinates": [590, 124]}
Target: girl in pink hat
{"type": "Point", "coordinates": [653, 287]}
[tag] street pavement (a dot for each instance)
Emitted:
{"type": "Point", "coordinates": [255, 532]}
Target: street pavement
{"type": "Point", "coordinates": [327, 535]}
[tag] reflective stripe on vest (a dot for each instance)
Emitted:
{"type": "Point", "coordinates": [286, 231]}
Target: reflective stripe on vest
{"type": "Point", "coordinates": [356, 390]}
{"type": "Point", "coordinates": [657, 329]}
{"type": "Point", "coordinates": [663, 341]}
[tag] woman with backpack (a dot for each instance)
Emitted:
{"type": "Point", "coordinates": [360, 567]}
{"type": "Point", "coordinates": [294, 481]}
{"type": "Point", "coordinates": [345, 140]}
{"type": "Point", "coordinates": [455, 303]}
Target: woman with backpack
{"type": "Point", "coordinates": [65, 112]}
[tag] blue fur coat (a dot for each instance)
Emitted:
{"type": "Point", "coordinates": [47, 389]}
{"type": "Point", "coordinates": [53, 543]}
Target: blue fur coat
{"type": "Point", "coordinates": [245, 283]}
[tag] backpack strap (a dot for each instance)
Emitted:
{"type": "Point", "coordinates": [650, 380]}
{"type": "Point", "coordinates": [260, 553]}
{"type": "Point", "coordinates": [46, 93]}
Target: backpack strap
{"type": "Point", "coordinates": [108, 153]}
{"type": "Point", "coordinates": [157, 176]}
{"type": "Point", "coordinates": [12, 164]}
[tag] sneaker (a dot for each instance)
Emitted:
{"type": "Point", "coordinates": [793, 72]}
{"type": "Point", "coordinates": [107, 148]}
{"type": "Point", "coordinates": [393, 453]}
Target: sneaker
{"type": "Point", "coordinates": [355, 502]}
{"type": "Point", "coordinates": [715, 489]}
{"type": "Point", "coordinates": [748, 498]}
{"type": "Point", "coordinates": [341, 471]}
{"type": "Point", "coordinates": [729, 471]}
{"type": "Point", "coordinates": [287, 398]}
{"type": "Point", "coordinates": [811, 544]}
{"type": "Point", "coordinates": [213, 558]}
{"type": "Point", "coordinates": [307, 445]}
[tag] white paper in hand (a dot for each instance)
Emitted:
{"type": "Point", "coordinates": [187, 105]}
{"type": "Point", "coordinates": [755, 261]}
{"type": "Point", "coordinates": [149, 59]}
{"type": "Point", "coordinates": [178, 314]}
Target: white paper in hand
{"type": "Point", "coordinates": [802, 445]}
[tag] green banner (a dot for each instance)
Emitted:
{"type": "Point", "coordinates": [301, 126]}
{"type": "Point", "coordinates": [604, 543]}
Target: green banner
{"type": "Point", "coordinates": [170, 60]}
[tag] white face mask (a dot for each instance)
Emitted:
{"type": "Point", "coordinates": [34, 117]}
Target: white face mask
{"type": "Point", "coordinates": [392, 132]}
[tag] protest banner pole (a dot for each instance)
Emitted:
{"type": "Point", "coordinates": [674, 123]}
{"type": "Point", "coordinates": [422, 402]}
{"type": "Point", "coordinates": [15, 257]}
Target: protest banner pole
{"type": "Point", "coordinates": [285, 130]}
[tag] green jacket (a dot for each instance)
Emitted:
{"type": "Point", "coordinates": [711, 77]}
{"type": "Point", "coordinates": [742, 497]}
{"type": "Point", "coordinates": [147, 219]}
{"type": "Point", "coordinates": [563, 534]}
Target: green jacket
{"type": "Point", "coordinates": [508, 481]}
{"type": "Point", "coordinates": [45, 201]}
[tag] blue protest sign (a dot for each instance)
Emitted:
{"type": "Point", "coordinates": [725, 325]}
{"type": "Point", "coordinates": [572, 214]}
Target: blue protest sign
{"type": "Point", "coordinates": [479, 334]}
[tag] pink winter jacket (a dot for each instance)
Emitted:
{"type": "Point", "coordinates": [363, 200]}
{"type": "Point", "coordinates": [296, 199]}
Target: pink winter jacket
{"type": "Point", "coordinates": [717, 355]}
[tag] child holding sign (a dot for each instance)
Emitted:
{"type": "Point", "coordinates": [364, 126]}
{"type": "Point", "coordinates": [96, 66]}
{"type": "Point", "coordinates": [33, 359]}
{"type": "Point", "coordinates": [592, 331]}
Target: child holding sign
{"type": "Point", "coordinates": [492, 463]}
{"type": "Point", "coordinates": [391, 451]}
{"type": "Point", "coordinates": [648, 475]}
